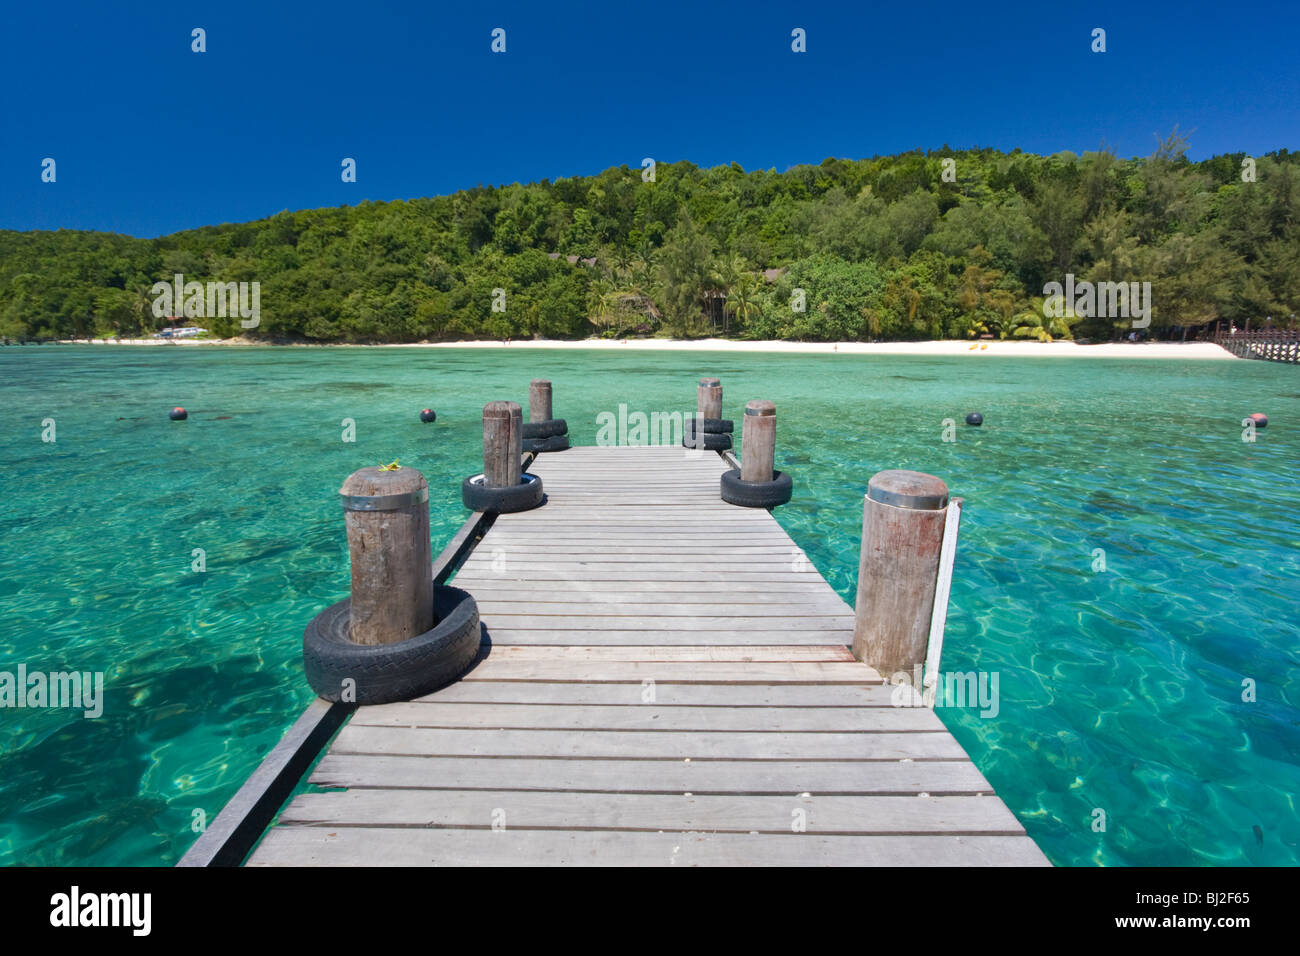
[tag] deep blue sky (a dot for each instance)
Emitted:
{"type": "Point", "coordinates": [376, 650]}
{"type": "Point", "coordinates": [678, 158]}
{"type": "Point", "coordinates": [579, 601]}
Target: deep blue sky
{"type": "Point", "coordinates": [150, 138]}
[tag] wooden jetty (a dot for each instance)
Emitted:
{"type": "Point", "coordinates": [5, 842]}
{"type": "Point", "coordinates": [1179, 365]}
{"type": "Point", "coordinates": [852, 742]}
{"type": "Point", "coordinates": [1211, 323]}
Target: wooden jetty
{"type": "Point", "coordinates": [664, 680]}
{"type": "Point", "coordinates": [1272, 345]}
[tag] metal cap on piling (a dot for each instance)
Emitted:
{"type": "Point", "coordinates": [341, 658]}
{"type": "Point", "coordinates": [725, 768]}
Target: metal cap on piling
{"type": "Point", "coordinates": [387, 516]}
{"type": "Point", "coordinates": [902, 536]}
{"type": "Point", "coordinates": [708, 398]}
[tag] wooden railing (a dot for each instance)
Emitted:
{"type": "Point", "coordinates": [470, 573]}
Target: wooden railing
{"type": "Point", "coordinates": [1273, 345]}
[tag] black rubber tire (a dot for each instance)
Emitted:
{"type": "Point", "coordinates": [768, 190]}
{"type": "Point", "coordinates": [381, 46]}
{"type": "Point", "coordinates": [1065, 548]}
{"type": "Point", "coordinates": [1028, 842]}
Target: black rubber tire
{"type": "Point", "coordinates": [712, 441]}
{"type": "Point", "coordinates": [539, 445]}
{"type": "Point", "coordinates": [390, 672]}
{"type": "Point", "coordinates": [547, 429]}
{"type": "Point", "coordinates": [712, 426]}
{"type": "Point", "coordinates": [756, 494]}
{"type": "Point", "coordinates": [477, 497]}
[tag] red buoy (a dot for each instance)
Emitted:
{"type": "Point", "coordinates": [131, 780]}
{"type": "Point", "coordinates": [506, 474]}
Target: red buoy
{"type": "Point", "coordinates": [1260, 419]}
{"type": "Point", "coordinates": [178, 414]}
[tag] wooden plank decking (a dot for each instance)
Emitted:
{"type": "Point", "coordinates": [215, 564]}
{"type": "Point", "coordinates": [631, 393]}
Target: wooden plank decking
{"type": "Point", "coordinates": [666, 684]}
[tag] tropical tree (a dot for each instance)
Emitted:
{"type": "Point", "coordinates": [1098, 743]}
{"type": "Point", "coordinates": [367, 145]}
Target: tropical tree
{"type": "Point", "coordinates": [744, 298]}
{"type": "Point", "coordinates": [684, 272]}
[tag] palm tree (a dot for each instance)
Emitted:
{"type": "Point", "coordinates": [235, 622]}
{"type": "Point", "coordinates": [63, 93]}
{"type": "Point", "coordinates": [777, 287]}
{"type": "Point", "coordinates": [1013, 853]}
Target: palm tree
{"type": "Point", "coordinates": [142, 307]}
{"type": "Point", "coordinates": [743, 299]}
{"type": "Point", "coordinates": [728, 270]}
{"type": "Point", "coordinates": [644, 264]}
{"type": "Point", "coordinates": [1003, 305]}
{"type": "Point", "coordinates": [600, 311]}
{"type": "Point", "coordinates": [622, 259]}
{"type": "Point", "coordinates": [728, 275]}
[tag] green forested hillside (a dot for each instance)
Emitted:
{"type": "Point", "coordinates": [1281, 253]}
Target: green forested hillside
{"type": "Point", "coordinates": [883, 248]}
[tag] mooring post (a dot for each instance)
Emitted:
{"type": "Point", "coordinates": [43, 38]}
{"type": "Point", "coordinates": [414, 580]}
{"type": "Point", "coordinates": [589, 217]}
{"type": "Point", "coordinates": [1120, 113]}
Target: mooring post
{"type": "Point", "coordinates": [902, 537]}
{"type": "Point", "coordinates": [387, 517]}
{"type": "Point", "coordinates": [758, 441]}
{"type": "Point", "coordinates": [503, 444]}
{"type": "Point", "coordinates": [539, 400]}
{"type": "Point", "coordinates": [708, 398]}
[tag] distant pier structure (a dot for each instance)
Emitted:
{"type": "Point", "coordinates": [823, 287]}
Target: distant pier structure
{"type": "Point", "coordinates": [1269, 344]}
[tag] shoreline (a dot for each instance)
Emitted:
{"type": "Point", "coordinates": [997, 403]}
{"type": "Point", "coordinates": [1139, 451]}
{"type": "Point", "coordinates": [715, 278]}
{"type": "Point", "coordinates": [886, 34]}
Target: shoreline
{"type": "Point", "coordinates": [1018, 349]}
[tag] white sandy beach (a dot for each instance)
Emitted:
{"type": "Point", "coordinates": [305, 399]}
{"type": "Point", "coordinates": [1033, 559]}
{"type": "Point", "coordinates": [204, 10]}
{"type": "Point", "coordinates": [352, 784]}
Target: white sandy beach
{"type": "Point", "coordinates": [1017, 349]}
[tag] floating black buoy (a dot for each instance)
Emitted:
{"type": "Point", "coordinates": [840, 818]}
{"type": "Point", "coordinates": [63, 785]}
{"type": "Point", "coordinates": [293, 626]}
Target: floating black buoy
{"type": "Point", "coordinates": [1259, 418]}
{"type": "Point", "coordinates": [178, 414]}
{"type": "Point", "coordinates": [428, 415]}
{"type": "Point", "coordinates": [975, 418]}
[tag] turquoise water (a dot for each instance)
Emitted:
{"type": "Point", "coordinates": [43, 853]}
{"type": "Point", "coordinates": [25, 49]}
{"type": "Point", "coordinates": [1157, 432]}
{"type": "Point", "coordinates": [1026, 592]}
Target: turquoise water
{"type": "Point", "coordinates": [1119, 690]}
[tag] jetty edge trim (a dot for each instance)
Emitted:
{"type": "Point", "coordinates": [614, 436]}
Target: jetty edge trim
{"type": "Point", "coordinates": [243, 821]}
{"type": "Point", "coordinates": [407, 499]}
{"type": "Point", "coordinates": [942, 592]}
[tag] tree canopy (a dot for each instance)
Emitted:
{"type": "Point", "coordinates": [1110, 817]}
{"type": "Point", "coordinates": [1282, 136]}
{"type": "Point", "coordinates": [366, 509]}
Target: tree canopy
{"type": "Point", "coordinates": [946, 243]}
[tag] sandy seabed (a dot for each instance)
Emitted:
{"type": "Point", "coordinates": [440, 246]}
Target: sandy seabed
{"type": "Point", "coordinates": [1149, 350]}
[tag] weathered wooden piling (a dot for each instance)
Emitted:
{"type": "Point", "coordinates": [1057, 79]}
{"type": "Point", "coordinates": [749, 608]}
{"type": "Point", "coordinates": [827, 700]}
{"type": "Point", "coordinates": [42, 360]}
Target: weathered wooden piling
{"type": "Point", "coordinates": [502, 444]}
{"type": "Point", "coordinates": [758, 441]}
{"type": "Point", "coordinates": [902, 536]}
{"type": "Point", "coordinates": [708, 400]}
{"type": "Point", "coordinates": [387, 517]}
{"type": "Point", "coordinates": [539, 400]}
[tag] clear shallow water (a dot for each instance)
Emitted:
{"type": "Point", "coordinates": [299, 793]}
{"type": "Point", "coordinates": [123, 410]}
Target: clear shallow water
{"type": "Point", "coordinates": [1118, 690]}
